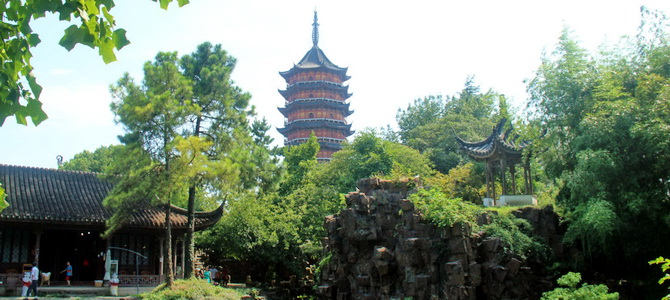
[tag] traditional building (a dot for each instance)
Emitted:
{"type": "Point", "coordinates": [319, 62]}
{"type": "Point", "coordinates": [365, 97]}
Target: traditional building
{"type": "Point", "coordinates": [501, 155]}
{"type": "Point", "coordinates": [316, 101]}
{"type": "Point", "coordinates": [57, 216]}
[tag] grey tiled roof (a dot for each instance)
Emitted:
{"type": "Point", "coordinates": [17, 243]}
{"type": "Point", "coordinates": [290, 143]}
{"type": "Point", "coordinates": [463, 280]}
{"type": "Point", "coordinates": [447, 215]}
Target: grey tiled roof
{"type": "Point", "coordinates": [51, 196]}
{"type": "Point", "coordinates": [314, 59]}
{"type": "Point", "coordinates": [495, 144]}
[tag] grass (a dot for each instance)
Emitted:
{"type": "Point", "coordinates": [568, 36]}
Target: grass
{"type": "Point", "coordinates": [194, 289]}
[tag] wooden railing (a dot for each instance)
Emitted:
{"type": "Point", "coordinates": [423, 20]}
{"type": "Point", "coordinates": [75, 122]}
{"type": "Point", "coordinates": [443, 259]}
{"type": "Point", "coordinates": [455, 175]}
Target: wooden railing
{"type": "Point", "coordinates": [143, 280]}
{"type": "Point", "coordinates": [13, 279]}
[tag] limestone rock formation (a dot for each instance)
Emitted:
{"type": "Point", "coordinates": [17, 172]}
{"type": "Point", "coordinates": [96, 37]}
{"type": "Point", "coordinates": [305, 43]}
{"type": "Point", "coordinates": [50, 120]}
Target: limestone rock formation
{"type": "Point", "coordinates": [382, 248]}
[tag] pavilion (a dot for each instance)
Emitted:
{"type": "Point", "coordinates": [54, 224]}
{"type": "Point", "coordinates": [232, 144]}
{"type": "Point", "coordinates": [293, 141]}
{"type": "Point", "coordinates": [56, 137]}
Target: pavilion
{"type": "Point", "coordinates": [501, 155]}
{"type": "Point", "coordinates": [57, 216]}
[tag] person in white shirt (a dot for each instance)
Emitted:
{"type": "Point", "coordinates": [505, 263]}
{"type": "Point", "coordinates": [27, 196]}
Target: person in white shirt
{"type": "Point", "coordinates": [35, 277]}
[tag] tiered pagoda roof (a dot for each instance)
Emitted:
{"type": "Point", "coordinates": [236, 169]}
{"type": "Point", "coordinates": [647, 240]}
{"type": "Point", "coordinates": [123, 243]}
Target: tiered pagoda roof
{"type": "Point", "coordinates": [316, 100]}
{"type": "Point", "coordinates": [315, 59]}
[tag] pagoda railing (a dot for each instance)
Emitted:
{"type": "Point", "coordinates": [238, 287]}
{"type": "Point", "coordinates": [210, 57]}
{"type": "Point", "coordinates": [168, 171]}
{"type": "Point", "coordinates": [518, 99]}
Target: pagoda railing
{"type": "Point", "coordinates": [320, 139]}
{"type": "Point", "coordinates": [315, 100]}
{"type": "Point", "coordinates": [315, 120]}
{"type": "Point", "coordinates": [337, 84]}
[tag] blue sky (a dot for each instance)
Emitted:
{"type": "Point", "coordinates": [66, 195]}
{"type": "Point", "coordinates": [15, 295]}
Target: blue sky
{"type": "Point", "coordinates": [396, 51]}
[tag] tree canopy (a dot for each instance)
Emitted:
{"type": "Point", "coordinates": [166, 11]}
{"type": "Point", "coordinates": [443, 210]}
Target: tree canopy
{"type": "Point", "coordinates": [604, 122]}
{"type": "Point", "coordinates": [19, 90]}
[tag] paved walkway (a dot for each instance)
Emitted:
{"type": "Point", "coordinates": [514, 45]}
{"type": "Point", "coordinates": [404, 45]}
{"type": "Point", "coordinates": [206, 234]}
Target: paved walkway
{"type": "Point", "coordinates": [85, 292]}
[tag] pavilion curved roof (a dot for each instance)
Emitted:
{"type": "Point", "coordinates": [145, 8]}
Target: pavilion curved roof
{"type": "Point", "coordinates": [59, 197]}
{"type": "Point", "coordinates": [496, 144]}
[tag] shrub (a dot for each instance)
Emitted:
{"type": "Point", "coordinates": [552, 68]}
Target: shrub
{"type": "Point", "coordinates": [569, 290]}
{"type": "Point", "coordinates": [192, 289]}
{"type": "Point", "coordinates": [516, 234]}
{"type": "Point", "coordinates": [444, 211]}
{"type": "Point", "coordinates": [665, 266]}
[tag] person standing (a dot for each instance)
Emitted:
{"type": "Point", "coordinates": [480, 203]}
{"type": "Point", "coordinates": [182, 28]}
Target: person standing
{"type": "Point", "coordinates": [208, 275]}
{"type": "Point", "coordinates": [35, 277]}
{"type": "Point", "coordinates": [214, 273]}
{"type": "Point", "coordinates": [68, 273]}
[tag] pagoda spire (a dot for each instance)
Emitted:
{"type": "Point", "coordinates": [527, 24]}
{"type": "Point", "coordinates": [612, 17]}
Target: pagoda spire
{"type": "Point", "coordinates": [315, 30]}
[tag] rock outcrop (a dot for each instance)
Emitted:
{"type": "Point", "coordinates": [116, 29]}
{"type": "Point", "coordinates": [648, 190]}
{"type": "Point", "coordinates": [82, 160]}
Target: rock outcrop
{"type": "Point", "coordinates": [382, 248]}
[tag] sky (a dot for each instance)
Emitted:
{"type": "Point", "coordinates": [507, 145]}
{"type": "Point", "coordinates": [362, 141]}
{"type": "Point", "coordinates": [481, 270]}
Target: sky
{"type": "Point", "coordinates": [395, 51]}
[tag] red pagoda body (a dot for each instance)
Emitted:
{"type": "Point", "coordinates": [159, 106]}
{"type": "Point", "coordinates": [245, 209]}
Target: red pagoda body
{"type": "Point", "coordinates": [316, 97]}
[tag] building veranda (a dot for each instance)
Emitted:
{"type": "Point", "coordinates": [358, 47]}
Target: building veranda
{"type": "Point", "coordinates": [57, 216]}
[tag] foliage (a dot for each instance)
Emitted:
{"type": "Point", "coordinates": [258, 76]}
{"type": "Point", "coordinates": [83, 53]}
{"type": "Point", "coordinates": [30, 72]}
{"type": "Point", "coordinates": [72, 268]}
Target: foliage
{"type": "Point", "coordinates": [444, 211]}
{"type": "Point", "coordinates": [569, 290]}
{"type": "Point", "coordinates": [298, 161]}
{"type": "Point", "coordinates": [516, 234]}
{"type": "Point", "coordinates": [665, 266]}
{"type": "Point", "coordinates": [151, 115]}
{"type": "Point", "coordinates": [603, 135]}
{"type": "Point", "coordinates": [462, 181]}
{"type": "Point", "coordinates": [429, 124]}
{"type": "Point", "coordinates": [96, 30]}
{"type": "Point", "coordinates": [97, 161]}
{"type": "Point", "coordinates": [3, 202]}
{"type": "Point", "coordinates": [193, 124]}
{"type": "Point", "coordinates": [369, 155]}
{"type": "Point", "coordinates": [193, 289]}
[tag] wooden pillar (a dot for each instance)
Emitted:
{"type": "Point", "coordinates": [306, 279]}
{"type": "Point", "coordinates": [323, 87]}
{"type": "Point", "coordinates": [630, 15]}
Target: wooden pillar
{"type": "Point", "coordinates": [183, 257]}
{"type": "Point", "coordinates": [492, 174]}
{"type": "Point", "coordinates": [161, 242]}
{"type": "Point", "coordinates": [488, 180]}
{"type": "Point", "coordinates": [38, 237]}
{"type": "Point", "coordinates": [174, 256]}
{"type": "Point", "coordinates": [503, 179]}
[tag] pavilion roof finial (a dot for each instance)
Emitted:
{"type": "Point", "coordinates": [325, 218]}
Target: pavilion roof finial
{"type": "Point", "coordinates": [315, 30]}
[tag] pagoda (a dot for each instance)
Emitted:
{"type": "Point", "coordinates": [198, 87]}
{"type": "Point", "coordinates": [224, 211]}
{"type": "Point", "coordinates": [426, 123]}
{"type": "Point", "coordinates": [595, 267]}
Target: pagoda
{"type": "Point", "coordinates": [316, 97]}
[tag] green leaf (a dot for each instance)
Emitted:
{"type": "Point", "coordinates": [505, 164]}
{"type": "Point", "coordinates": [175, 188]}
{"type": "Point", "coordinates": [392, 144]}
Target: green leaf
{"type": "Point", "coordinates": [34, 39]}
{"type": "Point", "coordinates": [34, 110]}
{"type": "Point", "coordinates": [34, 87]}
{"type": "Point", "coordinates": [71, 37]}
{"type": "Point", "coordinates": [164, 3]}
{"type": "Point", "coordinates": [120, 39]}
{"type": "Point", "coordinates": [108, 16]}
{"type": "Point", "coordinates": [182, 2]}
{"type": "Point", "coordinates": [106, 50]}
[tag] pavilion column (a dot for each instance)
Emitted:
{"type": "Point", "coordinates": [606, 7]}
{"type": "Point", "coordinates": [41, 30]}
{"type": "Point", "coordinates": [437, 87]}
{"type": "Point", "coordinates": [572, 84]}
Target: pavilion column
{"type": "Point", "coordinates": [161, 242]}
{"type": "Point", "coordinates": [183, 257]}
{"type": "Point", "coordinates": [38, 237]}
{"type": "Point", "coordinates": [108, 257]}
{"type": "Point", "coordinates": [503, 179]}
{"type": "Point", "coordinates": [174, 256]}
{"type": "Point", "coordinates": [488, 181]}
{"type": "Point", "coordinates": [492, 174]}
{"type": "Point", "coordinates": [512, 171]}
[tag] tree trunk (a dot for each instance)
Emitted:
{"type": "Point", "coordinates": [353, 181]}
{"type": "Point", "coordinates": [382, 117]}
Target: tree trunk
{"type": "Point", "coordinates": [190, 243]}
{"type": "Point", "coordinates": [169, 274]}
